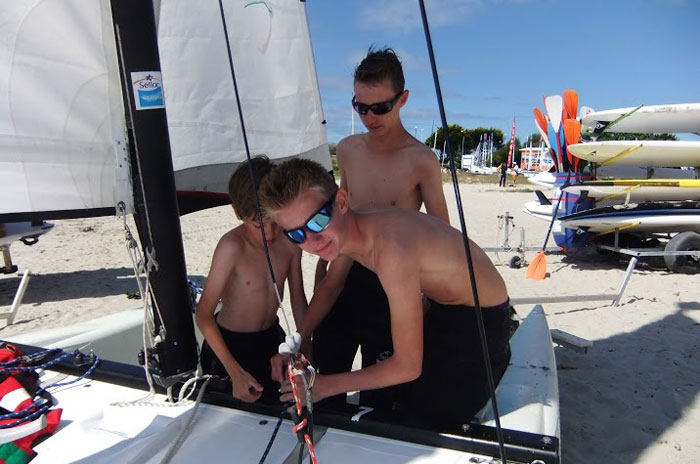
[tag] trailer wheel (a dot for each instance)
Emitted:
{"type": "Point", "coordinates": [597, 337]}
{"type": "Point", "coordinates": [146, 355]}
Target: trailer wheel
{"type": "Point", "coordinates": [516, 262]}
{"type": "Point", "coordinates": [685, 241]}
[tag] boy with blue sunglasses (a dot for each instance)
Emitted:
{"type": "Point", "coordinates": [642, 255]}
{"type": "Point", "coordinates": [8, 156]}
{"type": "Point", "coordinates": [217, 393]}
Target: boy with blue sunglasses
{"type": "Point", "coordinates": [388, 167]}
{"type": "Point", "coordinates": [242, 337]}
{"type": "Point", "coordinates": [436, 354]}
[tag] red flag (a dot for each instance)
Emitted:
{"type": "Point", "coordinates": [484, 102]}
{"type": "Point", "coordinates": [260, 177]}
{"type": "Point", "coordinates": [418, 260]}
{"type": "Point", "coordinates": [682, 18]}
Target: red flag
{"type": "Point", "coordinates": [512, 145]}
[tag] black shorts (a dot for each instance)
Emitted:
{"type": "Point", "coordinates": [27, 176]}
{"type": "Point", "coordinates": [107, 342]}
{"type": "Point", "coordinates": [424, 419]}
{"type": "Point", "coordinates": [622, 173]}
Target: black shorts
{"type": "Point", "coordinates": [359, 318]}
{"type": "Point", "coordinates": [453, 385]}
{"type": "Point", "coordinates": [252, 351]}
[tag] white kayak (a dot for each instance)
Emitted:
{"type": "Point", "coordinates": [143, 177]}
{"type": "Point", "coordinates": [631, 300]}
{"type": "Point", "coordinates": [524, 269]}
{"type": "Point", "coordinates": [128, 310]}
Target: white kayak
{"type": "Point", "coordinates": [638, 190]}
{"type": "Point", "coordinates": [661, 217]}
{"type": "Point", "coordinates": [684, 117]}
{"type": "Point", "coordinates": [640, 152]}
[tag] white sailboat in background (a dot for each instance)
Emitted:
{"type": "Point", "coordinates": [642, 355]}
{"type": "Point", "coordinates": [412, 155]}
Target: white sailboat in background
{"type": "Point", "coordinates": [93, 139]}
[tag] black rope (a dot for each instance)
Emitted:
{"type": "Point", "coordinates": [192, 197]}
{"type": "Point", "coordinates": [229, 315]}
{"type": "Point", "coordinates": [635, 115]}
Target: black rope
{"type": "Point", "coordinates": [245, 142]}
{"type": "Point", "coordinates": [252, 175]}
{"type": "Point", "coordinates": [465, 237]}
{"type": "Point", "coordinates": [274, 432]}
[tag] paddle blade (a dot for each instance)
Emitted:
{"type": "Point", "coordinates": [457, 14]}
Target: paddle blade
{"type": "Point", "coordinates": [572, 131]}
{"type": "Point", "coordinates": [554, 105]}
{"type": "Point", "coordinates": [570, 103]}
{"type": "Point", "coordinates": [585, 111]}
{"type": "Point", "coordinates": [540, 120]}
{"type": "Point", "coordinates": [572, 134]}
{"type": "Point", "coordinates": [537, 269]}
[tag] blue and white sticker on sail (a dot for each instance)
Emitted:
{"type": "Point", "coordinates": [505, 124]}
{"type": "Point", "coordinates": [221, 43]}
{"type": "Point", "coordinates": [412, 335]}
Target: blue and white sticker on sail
{"type": "Point", "coordinates": [148, 90]}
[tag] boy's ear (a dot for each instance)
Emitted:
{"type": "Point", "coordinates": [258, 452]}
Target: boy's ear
{"type": "Point", "coordinates": [403, 98]}
{"type": "Point", "coordinates": [341, 199]}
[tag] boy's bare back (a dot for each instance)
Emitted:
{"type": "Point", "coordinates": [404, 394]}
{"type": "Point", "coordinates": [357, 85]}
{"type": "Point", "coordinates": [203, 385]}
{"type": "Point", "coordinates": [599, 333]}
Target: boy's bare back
{"type": "Point", "coordinates": [411, 247]}
{"type": "Point", "coordinates": [249, 302]}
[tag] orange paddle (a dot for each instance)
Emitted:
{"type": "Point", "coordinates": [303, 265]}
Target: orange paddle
{"type": "Point", "coordinates": [572, 134]}
{"type": "Point", "coordinates": [570, 103]}
{"type": "Point", "coordinates": [537, 269]}
{"type": "Point", "coordinates": [540, 119]}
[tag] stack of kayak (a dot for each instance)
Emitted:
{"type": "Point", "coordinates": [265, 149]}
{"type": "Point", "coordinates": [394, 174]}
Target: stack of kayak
{"type": "Point", "coordinates": [637, 187]}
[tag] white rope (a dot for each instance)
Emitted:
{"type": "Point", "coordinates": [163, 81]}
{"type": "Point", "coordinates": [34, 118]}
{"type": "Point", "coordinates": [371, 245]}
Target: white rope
{"type": "Point", "coordinates": [145, 294]}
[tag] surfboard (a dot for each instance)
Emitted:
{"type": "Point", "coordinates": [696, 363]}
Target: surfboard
{"type": "Point", "coordinates": [640, 152]}
{"type": "Point", "coordinates": [643, 217]}
{"type": "Point", "coordinates": [638, 190]}
{"type": "Point", "coordinates": [537, 209]}
{"type": "Point", "coordinates": [683, 117]}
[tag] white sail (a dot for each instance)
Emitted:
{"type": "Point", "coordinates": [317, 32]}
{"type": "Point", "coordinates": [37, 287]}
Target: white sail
{"type": "Point", "coordinates": [276, 78]}
{"type": "Point", "coordinates": [62, 130]}
{"type": "Point", "coordinates": [62, 137]}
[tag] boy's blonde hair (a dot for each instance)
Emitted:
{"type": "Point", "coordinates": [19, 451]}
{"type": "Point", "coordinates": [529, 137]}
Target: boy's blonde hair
{"type": "Point", "coordinates": [288, 180]}
{"type": "Point", "coordinates": [241, 189]}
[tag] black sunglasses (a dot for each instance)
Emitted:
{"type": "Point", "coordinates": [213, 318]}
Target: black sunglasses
{"type": "Point", "coordinates": [318, 222]}
{"type": "Point", "coordinates": [376, 108]}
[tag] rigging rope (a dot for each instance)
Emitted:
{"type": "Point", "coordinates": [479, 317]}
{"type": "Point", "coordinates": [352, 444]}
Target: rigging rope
{"type": "Point", "coordinates": [465, 237]}
{"type": "Point", "coordinates": [24, 364]}
{"type": "Point", "coordinates": [294, 357]}
{"type": "Point", "coordinates": [250, 166]}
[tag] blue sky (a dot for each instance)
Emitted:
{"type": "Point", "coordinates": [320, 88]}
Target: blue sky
{"type": "Point", "coordinates": [497, 58]}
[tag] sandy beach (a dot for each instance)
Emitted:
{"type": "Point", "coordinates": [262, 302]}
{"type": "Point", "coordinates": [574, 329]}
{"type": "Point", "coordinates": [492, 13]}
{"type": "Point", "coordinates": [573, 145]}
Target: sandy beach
{"type": "Point", "coordinates": [633, 398]}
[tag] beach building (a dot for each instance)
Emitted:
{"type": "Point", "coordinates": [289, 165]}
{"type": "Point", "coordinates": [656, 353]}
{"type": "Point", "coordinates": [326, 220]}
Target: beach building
{"type": "Point", "coordinates": [535, 159]}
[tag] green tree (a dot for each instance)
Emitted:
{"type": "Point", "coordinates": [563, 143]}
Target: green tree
{"type": "Point", "coordinates": [501, 155]}
{"type": "Point", "coordinates": [455, 131]}
{"type": "Point", "coordinates": [635, 136]}
{"type": "Point", "coordinates": [536, 138]}
{"type": "Point", "coordinates": [475, 135]}
{"type": "Point", "coordinates": [463, 139]}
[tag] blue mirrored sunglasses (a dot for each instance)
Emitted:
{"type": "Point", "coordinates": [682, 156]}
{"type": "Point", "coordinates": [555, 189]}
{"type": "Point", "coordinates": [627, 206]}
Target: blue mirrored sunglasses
{"type": "Point", "coordinates": [318, 222]}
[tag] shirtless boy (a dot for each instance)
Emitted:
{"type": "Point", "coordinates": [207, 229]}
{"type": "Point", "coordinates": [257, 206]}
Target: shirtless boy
{"type": "Point", "coordinates": [242, 337]}
{"type": "Point", "coordinates": [437, 356]}
{"type": "Point", "coordinates": [384, 167]}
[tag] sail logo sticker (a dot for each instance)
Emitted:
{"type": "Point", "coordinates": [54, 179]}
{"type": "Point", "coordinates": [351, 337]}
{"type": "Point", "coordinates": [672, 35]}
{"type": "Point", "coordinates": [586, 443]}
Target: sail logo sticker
{"type": "Point", "coordinates": [148, 90]}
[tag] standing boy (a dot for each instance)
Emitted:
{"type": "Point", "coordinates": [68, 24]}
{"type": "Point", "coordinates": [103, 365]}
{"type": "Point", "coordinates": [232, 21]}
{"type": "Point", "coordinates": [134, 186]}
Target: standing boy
{"type": "Point", "coordinates": [384, 167]}
{"type": "Point", "coordinates": [241, 338]}
{"type": "Point", "coordinates": [412, 254]}
{"type": "Point", "coordinates": [502, 174]}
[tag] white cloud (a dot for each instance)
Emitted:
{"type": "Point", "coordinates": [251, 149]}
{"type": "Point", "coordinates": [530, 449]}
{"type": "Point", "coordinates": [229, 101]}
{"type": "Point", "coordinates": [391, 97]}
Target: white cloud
{"type": "Point", "coordinates": [403, 16]}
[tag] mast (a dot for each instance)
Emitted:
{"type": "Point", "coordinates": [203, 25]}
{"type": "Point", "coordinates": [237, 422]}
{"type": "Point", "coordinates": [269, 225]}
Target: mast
{"type": "Point", "coordinates": [157, 218]}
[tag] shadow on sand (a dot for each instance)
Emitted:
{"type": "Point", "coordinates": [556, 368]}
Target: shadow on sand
{"type": "Point", "coordinates": [62, 286]}
{"type": "Point", "coordinates": [629, 389]}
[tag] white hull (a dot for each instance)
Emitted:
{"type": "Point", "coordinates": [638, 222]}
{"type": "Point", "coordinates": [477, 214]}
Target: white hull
{"type": "Point", "coordinates": [639, 190]}
{"type": "Point", "coordinates": [19, 230]}
{"type": "Point", "coordinates": [640, 152]}
{"type": "Point", "coordinates": [95, 430]}
{"type": "Point", "coordinates": [649, 119]}
{"type": "Point", "coordinates": [637, 223]}
{"type": "Point", "coordinates": [535, 208]}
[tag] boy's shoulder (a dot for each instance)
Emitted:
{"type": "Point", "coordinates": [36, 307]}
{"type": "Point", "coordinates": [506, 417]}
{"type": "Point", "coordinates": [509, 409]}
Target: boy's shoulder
{"type": "Point", "coordinates": [231, 241]}
{"type": "Point", "coordinates": [350, 142]}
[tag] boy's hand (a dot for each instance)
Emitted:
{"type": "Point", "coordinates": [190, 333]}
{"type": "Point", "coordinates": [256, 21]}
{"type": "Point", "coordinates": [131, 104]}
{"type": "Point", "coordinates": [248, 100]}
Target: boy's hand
{"type": "Point", "coordinates": [246, 388]}
{"type": "Point", "coordinates": [277, 363]}
{"type": "Point", "coordinates": [316, 394]}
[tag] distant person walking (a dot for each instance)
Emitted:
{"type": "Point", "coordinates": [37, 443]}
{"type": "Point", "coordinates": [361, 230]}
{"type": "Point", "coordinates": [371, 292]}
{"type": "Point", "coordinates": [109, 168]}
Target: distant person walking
{"type": "Point", "coordinates": [516, 171]}
{"type": "Point", "coordinates": [502, 174]}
